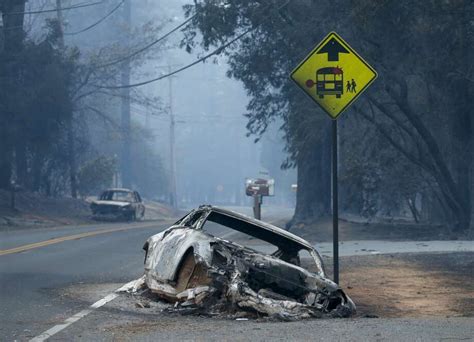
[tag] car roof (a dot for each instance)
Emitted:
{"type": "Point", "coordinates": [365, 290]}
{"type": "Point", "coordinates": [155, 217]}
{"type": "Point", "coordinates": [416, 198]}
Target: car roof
{"type": "Point", "coordinates": [119, 189]}
{"type": "Point", "coordinates": [256, 228]}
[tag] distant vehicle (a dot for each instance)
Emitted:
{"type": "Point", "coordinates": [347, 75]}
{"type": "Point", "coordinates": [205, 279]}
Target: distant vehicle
{"type": "Point", "coordinates": [329, 81]}
{"type": "Point", "coordinates": [118, 204]}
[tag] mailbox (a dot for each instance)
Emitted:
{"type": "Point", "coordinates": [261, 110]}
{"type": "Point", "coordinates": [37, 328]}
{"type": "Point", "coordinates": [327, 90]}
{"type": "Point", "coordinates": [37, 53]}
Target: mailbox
{"type": "Point", "coordinates": [262, 187]}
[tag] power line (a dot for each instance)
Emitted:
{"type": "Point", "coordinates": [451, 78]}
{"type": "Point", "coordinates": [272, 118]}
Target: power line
{"type": "Point", "coordinates": [54, 10]}
{"type": "Point", "coordinates": [146, 47]}
{"type": "Point", "coordinates": [202, 59]}
{"type": "Point", "coordinates": [97, 22]}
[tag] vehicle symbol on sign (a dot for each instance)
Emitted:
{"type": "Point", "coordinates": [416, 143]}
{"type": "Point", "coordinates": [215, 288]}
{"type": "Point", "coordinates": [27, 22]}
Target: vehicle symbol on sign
{"type": "Point", "coordinates": [329, 81]}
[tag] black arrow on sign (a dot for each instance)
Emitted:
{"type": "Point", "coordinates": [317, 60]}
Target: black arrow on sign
{"type": "Point", "coordinates": [333, 48]}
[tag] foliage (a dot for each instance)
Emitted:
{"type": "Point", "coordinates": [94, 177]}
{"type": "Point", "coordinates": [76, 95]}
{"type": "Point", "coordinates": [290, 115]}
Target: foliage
{"type": "Point", "coordinates": [56, 103]}
{"type": "Point", "coordinates": [36, 107]}
{"type": "Point", "coordinates": [422, 105]}
{"type": "Point", "coordinates": [152, 180]}
{"type": "Point", "coordinates": [417, 119]}
{"type": "Point", "coordinates": [96, 175]}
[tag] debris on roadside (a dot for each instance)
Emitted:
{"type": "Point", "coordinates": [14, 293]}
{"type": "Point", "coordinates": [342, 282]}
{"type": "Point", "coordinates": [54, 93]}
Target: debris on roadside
{"type": "Point", "coordinates": [143, 305]}
{"type": "Point", "coordinates": [198, 273]}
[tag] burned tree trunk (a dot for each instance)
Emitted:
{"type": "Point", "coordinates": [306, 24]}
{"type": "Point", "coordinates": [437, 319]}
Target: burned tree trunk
{"type": "Point", "coordinates": [314, 181]}
{"type": "Point", "coordinates": [5, 157]}
{"type": "Point", "coordinates": [21, 162]}
{"type": "Point", "coordinates": [13, 34]}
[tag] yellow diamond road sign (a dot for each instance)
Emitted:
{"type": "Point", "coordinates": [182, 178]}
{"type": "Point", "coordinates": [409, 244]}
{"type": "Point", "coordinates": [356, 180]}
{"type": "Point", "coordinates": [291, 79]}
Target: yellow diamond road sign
{"type": "Point", "coordinates": [333, 75]}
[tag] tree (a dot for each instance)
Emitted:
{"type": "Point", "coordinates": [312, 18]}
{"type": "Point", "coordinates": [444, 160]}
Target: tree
{"type": "Point", "coordinates": [96, 175]}
{"type": "Point", "coordinates": [35, 108]}
{"type": "Point", "coordinates": [52, 95]}
{"type": "Point", "coordinates": [262, 60]}
{"type": "Point", "coordinates": [418, 61]}
{"type": "Point", "coordinates": [420, 132]}
{"type": "Point", "coordinates": [12, 45]}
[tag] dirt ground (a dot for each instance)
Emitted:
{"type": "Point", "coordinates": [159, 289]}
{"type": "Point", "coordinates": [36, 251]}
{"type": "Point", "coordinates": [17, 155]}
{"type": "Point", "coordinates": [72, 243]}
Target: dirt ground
{"type": "Point", "coordinates": [409, 285]}
{"type": "Point", "coordinates": [382, 286]}
{"type": "Point", "coordinates": [33, 209]}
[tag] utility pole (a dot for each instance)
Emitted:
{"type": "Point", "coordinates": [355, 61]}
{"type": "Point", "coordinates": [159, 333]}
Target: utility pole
{"type": "Point", "coordinates": [147, 175]}
{"type": "Point", "coordinates": [126, 164]}
{"type": "Point", "coordinates": [59, 12]}
{"type": "Point", "coordinates": [70, 120]}
{"type": "Point", "coordinates": [173, 199]}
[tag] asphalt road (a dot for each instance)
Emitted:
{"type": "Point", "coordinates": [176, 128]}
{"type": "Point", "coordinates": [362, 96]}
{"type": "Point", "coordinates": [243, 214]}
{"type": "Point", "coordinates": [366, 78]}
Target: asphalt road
{"type": "Point", "coordinates": [61, 271]}
{"type": "Point", "coordinates": [31, 282]}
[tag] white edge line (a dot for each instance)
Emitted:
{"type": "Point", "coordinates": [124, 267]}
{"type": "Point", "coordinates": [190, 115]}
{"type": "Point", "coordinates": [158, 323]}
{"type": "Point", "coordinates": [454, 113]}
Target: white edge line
{"type": "Point", "coordinates": [59, 327]}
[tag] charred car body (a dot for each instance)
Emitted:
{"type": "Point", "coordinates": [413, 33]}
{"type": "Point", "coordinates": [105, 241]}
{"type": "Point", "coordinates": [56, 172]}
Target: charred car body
{"type": "Point", "coordinates": [118, 204]}
{"type": "Point", "coordinates": [193, 268]}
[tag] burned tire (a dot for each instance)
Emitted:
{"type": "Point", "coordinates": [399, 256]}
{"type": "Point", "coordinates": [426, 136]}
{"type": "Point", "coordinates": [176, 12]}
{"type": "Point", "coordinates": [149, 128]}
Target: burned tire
{"type": "Point", "coordinates": [185, 271]}
{"type": "Point", "coordinates": [342, 311]}
{"type": "Point", "coordinates": [190, 274]}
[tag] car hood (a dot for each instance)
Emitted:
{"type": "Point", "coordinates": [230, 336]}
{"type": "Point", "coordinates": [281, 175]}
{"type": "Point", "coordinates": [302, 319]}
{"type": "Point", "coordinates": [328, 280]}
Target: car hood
{"type": "Point", "coordinates": [115, 203]}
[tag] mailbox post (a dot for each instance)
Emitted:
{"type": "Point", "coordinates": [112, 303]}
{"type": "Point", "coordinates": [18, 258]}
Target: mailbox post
{"type": "Point", "coordinates": [257, 206]}
{"type": "Point", "coordinates": [257, 188]}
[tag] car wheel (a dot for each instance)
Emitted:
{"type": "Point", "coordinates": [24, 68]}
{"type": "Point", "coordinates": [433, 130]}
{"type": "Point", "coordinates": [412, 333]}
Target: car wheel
{"type": "Point", "coordinates": [132, 216]}
{"type": "Point", "coordinates": [342, 311]}
{"type": "Point", "coordinates": [141, 217]}
{"type": "Point", "coordinates": [191, 274]}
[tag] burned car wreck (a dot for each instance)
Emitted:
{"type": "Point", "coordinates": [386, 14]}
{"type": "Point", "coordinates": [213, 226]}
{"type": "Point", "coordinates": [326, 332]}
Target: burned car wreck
{"type": "Point", "coordinates": [118, 204]}
{"type": "Point", "coordinates": [191, 266]}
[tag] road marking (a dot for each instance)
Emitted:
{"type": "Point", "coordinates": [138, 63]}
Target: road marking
{"type": "Point", "coordinates": [81, 314]}
{"type": "Point", "coordinates": [68, 238]}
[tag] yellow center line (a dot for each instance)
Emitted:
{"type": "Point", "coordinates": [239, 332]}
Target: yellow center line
{"type": "Point", "coordinates": [68, 238]}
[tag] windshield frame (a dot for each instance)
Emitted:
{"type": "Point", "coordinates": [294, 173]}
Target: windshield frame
{"type": "Point", "coordinates": [106, 192]}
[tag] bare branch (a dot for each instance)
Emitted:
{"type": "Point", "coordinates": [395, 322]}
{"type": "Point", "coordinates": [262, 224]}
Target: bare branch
{"type": "Point", "coordinates": [443, 175]}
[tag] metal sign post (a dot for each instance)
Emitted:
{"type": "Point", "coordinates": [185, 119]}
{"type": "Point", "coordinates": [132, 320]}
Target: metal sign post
{"type": "Point", "coordinates": [335, 203]}
{"type": "Point", "coordinates": [334, 76]}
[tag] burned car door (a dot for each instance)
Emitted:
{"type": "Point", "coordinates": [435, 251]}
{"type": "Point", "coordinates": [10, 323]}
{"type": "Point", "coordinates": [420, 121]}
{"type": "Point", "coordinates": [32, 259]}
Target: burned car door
{"type": "Point", "coordinates": [140, 207]}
